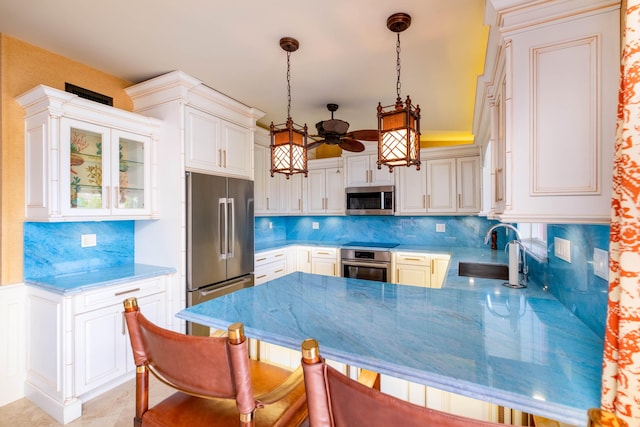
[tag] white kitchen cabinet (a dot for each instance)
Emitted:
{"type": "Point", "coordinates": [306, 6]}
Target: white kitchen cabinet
{"type": "Point", "coordinates": [325, 187]}
{"type": "Point", "coordinates": [447, 183]}
{"type": "Point", "coordinates": [362, 171]}
{"type": "Point", "coordinates": [85, 160]}
{"type": "Point", "coordinates": [214, 145]}
{"type": "Point", "coordinates": [78, 345]}
{"type": "Point", "coordinates": [419, 269]}
{"type": "Point", "coordinates": [303, 258]}
{"type": "Point", "coordinates": [325, 261]}
{"type": "Point", "coordinates": [271, 264]}
{"type": "Point", "coordinates": [277, 194]}
{"type": "Point", "coordinates": [549, 100]}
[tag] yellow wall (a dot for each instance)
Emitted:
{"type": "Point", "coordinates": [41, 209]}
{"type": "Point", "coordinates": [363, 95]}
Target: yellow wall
{"type": "Point", "coordinates": [22, 67]}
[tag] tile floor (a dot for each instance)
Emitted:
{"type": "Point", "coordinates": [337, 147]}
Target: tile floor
{"type": "Point", "coordinates": [113, 408]}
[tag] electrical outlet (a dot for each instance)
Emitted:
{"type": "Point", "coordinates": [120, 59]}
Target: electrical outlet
{"type": "Point", "coordinates": [562, 248]}
{"type": "Point", "coordinates": [441, 228]}
{"type": "Point", "coordinates": [315, 225]}
{"type": "Point", "coordinates": [601, 263]}
{"type": "Point", "coordinates": [88, 240]}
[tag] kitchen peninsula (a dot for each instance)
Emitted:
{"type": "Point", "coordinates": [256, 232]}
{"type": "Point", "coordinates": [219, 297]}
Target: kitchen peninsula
{"type": "Point", "coordinates": [520, 348]}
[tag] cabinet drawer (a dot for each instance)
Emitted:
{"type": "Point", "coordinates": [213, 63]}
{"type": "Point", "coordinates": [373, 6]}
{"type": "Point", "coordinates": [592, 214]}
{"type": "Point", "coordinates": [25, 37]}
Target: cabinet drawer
{"type": "Point", "coordinates": [91, 300]}
{"type": "Point", "coordinates": [270, 271]}
{"type": "Point", "coordinates": [264, 258]}
{"type": "Point", "coordinates": [324, 253]}
{"type": "Point", "coordinates": [412, 258]}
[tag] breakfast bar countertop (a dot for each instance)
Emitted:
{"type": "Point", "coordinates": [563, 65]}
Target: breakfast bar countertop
{"type": "Point", "coordinates": [520, 348]}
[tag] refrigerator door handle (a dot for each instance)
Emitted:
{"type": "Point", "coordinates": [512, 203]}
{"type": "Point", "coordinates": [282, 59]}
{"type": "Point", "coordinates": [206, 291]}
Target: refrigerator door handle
{"type": "Point", "coordinates": [231, 231]}
{"type": "Point", "coordinates": [222, 227]}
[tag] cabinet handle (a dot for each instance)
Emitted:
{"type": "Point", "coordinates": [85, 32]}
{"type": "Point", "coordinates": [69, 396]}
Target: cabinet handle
{"type": "Point", "coordinates": [261, 259]}
{"type": "Point", "coordinates": [117, 294]}
{"type": "Point", "coordinates": [412, 259]}
{"type": "Point", "coordinates": [277, 255]}
{"type": "Point", "coordinates": [279, 270]}
{"type": "Point", "coordinates": [225, 157]}
{"type": "Point", "coordinates": [459, 200]}
{"type": "Point", "coordinates": [108, 197]}
{"type": "Point", "coordinates": [219, 157]}
{"type": "Point", "coordinates": [432, 265]}
{"type": "Point", "coordinates": [267, 203]}
{"type": "Point", "coordinates": [299, 204]}
{"type": "Point", "coordinates": [260, 277]}
{"type": "Point", "coordinates": [424, 201]}
{"type": "Point", "coordinates": [116, 194]}
{"type": "Point", "coordinates": [323, 253]}
{"type": "Point", "coordinates": [429, 201]}
{"type": "Point", "coordinates": [123, 322]}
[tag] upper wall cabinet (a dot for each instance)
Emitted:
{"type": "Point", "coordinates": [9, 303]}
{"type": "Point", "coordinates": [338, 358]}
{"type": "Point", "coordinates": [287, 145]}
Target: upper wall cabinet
{"type": "Point", "coordinates": [362, 169]}
{"type": "Point", "coordinates": [547, 103]}
{"type": "Point", "coordinates": [214, 145]}
{"type": "Point", "coordinates": [448, 182]}
{"type": "Point", "coordinates": [85, 160]}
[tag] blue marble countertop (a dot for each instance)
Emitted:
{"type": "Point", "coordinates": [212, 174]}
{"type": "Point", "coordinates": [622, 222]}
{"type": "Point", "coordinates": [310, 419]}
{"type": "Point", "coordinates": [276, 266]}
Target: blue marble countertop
{"type": "Point", "coordinates": [520, 348]}
{"type": "Point", "coordinates": [72, 283]}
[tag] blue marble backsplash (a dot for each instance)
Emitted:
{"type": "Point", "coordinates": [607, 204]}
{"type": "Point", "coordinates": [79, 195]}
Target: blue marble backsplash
{"type": "Point", "coordinates": [467, 231]}
{"type": "Point", "coordinates": [54, 248]}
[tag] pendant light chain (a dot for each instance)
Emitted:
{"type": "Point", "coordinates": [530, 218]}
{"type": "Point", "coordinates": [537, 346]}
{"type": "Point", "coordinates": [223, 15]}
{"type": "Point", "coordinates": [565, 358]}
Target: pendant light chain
{"type": "Point", "coordinates": [398, 65]}
{"type": "Point", "coordinates": [288, 85]}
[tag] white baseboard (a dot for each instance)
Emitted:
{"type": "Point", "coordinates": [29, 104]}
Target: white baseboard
{"type": "Point", "coordinates": [13, 348]}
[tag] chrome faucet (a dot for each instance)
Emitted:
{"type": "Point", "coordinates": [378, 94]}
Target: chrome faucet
{"type": "Point", "coordinates": [522, 262]}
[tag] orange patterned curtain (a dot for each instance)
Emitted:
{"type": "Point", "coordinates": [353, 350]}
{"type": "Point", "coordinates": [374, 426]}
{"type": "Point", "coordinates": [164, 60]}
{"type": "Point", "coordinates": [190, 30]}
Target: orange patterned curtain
{"type": "Point", "coordinates": [621, 375]}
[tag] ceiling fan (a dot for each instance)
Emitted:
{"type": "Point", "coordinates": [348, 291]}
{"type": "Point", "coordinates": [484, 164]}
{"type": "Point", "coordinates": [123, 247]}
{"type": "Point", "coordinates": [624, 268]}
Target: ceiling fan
{"type": "Point", "coordinates": [334, 132]}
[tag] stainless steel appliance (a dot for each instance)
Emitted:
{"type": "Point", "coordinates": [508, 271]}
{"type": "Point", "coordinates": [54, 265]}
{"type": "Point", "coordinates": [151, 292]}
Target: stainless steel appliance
{"type": "Point", "coordinates": [368, 261]}
{"type": "Point", "coordinates": [219, 238]}
{"type": "Point", "coordinates": [370, 200]}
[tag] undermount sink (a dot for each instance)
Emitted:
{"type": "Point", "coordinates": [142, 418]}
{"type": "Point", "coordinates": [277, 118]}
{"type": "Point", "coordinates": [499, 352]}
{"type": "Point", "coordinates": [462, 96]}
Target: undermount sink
{"type": "Point", "coordinates": [483, 270]}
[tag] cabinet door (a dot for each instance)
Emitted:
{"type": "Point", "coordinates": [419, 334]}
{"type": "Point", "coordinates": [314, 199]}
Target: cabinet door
{"type": "Point", "coordinates": [324, 266]}
{"type": "Point", "coordinates": [316, 191]}
{"type": "Point", "coordinates": [414, 275]}
{"type": "Point", "coordinates": [236, 150]}
{"type": "Point", "coordinates": [292, 191]}
{"type": "Point", "coordinates": [260, 179]}
{"type": "Point", "coordinates": [85, 177]}
{"type": "Point", "coordinates": [439, 268]}
{"type": "Point", "coordinates": [468, 184]}
{"type": "Point", "coordinates": [154, 309]}
{"type": "Point", "coordinates": [358, 171]}
{"type": "Point", "coordinates": [99, 348]}
{"type": "Point", "coordinates": [303, 258]}
{"type": "Point", "coordinates": [441, 187]}
{"type": "Point", "coordinates": [131, 173]}
{"type": "Point", "coordinates": [412, 190]}
{"type": "Point", "coordinates": [202, 141]}
{"type": "Point", "coordinates": [334, 192]}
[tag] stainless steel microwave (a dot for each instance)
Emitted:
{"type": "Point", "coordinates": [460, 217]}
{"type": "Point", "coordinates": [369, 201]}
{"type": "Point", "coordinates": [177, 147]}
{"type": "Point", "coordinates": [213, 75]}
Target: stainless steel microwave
{"type": "Point", "coordinates": [370, 200]}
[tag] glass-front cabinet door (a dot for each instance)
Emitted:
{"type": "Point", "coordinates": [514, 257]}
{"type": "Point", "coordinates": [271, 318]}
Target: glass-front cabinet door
{"type": "Point", "coordinates": [104, 172]}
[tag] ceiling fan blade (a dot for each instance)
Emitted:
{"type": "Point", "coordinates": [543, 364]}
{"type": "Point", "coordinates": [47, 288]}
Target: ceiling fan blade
{"type": "Point", "coordinates": [351, 145]}
{"type": "Point", "coordinates": [364, 135]}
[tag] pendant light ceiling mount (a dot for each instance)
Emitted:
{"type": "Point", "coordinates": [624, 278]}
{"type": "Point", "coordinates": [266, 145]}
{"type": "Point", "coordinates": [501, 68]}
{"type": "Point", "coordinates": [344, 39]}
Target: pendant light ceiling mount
{"type": "Point", "coordinates": [289, 44]}
{"type": "Point", "coordinates": [398, 22]}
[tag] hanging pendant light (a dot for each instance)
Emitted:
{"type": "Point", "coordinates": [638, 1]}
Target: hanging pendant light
{"type": "Point", "coordinates": [288, 140]}
{"type": "Point", "coordinates": [399, 124]}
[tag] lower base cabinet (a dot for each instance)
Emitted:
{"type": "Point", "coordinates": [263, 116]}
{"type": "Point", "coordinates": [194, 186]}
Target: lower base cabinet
{"type": "Point", "coordinates": [78, 345]}
{"type": "Point", "coordinates": [420, 269]}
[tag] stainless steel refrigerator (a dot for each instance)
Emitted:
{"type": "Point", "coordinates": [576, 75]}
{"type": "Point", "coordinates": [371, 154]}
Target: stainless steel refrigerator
{"type": "Point", "coordinates": [219, 238]}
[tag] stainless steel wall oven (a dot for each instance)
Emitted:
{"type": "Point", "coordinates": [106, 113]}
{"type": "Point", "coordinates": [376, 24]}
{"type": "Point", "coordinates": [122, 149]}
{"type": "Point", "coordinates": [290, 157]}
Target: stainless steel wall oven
{"type": "Point", "coordinates": [368, 261]}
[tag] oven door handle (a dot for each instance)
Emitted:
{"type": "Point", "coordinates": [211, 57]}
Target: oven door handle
{"type": "Point", "coordinates": [365, 264]}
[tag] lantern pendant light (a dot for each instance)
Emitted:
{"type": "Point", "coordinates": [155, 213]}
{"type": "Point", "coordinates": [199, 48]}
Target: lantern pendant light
{"type": "Point", "coordinates": [288, 140]}
{"type": "Point", "coordinates": [399, 124]}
